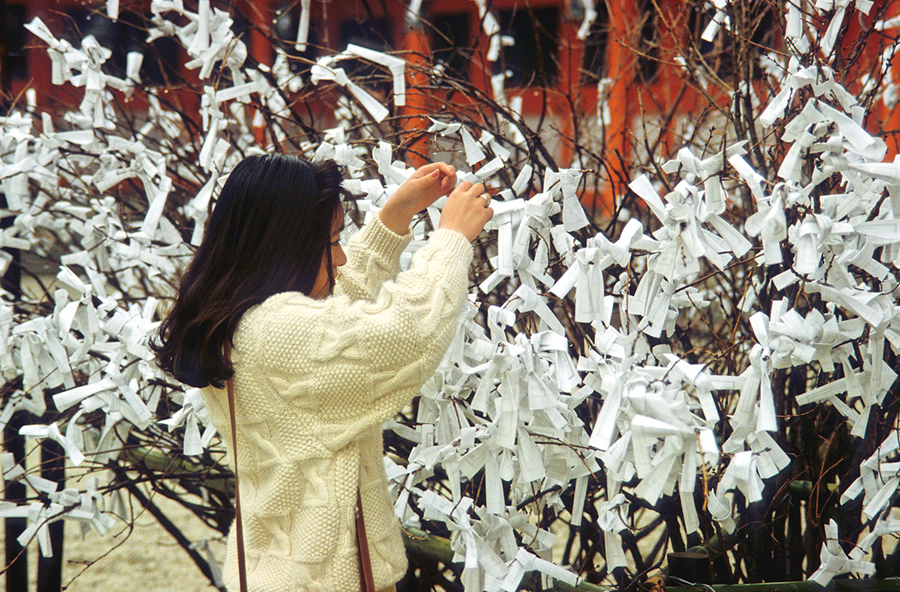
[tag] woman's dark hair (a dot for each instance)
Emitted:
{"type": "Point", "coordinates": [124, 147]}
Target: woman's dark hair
{"type": "Point", "coordinates": [269, 232]}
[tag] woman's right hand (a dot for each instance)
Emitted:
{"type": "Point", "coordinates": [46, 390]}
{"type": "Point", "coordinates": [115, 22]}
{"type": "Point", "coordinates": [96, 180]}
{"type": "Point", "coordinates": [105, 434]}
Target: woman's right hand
{"type": "Point", "coordinates": [467, 210]}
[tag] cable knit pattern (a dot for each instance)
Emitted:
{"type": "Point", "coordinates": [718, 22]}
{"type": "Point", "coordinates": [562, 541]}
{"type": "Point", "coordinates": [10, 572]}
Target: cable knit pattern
{"type": "Point", "coordinates": [314, 380]}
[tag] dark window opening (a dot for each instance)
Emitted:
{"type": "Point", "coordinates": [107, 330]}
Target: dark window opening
{"type": "Point", "coordinates": [648, 48]}
{"type": "Point", "coordinates": [240, 25]}
{"type": "Point", "coordinates": [370, 34]}
{"type": "Point", "coordinates": [532, 61]}
{"type": "Point", "coordinates": [15, 63]}
{"type": "Point", "coordinates": [125, 35]}
{"type": "Point", "coordinates": [451, 44]}
{"type": "Point", "coordinates": [84, 21]}
{"type": "Point", "coordinates": [593, 62]}
{"type": "Point", "coordinates": [160, 64]}
{"type": "Point", "coordinates": [375, 35]}
{"type": "Point", "coordinates": [755, 19]}
{"type": "Point", "coordinates": [285, 25]}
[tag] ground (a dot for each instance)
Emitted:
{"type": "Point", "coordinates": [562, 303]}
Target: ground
{"type": "Point", "coordinates": [147, 559]}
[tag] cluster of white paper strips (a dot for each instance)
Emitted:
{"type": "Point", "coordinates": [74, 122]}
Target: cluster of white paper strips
{"type": "Point", "coordinates": [502, 406]}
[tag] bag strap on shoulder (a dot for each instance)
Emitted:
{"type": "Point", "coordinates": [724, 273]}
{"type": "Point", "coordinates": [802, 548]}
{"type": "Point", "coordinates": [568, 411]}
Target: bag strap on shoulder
{"type": "Point", "coordinates": [242, 563]}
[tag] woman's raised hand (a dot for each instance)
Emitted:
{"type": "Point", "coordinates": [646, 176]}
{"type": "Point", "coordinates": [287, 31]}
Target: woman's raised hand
{"type": "Point", "coordinates": [418, 192]}
{"type": "Point", "coordinates": [467, 210]}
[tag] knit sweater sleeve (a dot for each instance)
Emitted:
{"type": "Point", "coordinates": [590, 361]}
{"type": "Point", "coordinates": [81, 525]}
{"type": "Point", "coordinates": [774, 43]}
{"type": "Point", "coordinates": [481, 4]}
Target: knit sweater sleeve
{"type": "Point", "coordinates": [348, 365]}
{"type": "Point", "coordinates": [373, 256]}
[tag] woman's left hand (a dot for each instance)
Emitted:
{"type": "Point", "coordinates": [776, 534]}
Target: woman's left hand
{"type": "Point", "coordinates": [418, 192]}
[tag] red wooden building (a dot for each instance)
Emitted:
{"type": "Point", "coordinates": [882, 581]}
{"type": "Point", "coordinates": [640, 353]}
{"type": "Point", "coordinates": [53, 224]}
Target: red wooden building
{"type": "Point", "coordinates": [631, 47]}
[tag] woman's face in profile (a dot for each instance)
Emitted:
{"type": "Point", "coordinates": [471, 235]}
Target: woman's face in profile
{"type": "Point", "coordinates": [322, 287]}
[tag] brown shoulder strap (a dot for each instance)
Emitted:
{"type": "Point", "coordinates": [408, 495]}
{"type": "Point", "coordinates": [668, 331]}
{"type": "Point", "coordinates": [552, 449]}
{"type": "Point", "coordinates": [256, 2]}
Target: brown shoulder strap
{"type": "Point", "coordinates": [242, 564]}
{"type": "Point", "coordinates": [368, 580]}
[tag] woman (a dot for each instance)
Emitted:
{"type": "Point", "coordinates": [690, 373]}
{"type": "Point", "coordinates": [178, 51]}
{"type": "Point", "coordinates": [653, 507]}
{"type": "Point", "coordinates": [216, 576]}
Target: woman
{"type": "Point", "coordinates": [316, 373]}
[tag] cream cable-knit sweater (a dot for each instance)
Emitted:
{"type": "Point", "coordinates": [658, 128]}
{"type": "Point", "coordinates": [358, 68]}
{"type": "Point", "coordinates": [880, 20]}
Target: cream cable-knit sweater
{"type": "Point", "coordinates": [314, 380]}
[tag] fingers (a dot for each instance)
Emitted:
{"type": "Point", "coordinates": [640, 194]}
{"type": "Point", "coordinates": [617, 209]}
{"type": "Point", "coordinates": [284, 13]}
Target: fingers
{"type": "Point", "coordinates": [434, 173]}
{"type": "Point", "coordinates": [430, 168]}
{"type": "Point", "coordinates": [488, 210]}
{"type": "Point", "coordinates": [467, 210]}
{"type": "Point", "coordinates": [448, 182]}
{"type": "Point", "coordinates": [466, 186]}
{"type": "Point", "coordinates": [446, 169]}
{"type": "Point", "coordinates": [437, 170]}
{"type": "Point", "coordinates": [473, 192]}
{"type": "Point", "coordinates": [425, 186]}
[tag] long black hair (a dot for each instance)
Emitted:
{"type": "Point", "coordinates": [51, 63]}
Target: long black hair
{"type": "Point", "coordinates": [269, 232]}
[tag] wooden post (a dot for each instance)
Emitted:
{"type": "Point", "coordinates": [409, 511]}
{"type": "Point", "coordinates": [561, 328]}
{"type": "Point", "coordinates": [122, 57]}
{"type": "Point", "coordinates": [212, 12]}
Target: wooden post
{"type": "Point", "coordinates": [49, 569]}
{"type": "Point", "coordinates": [16, 555]}
{"type": "Point", "coordinates": [415, 120]}
{"type": "Point", "coordinates": [620, 60]}
{"type": "Point", "coordinates": [5, 75]}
